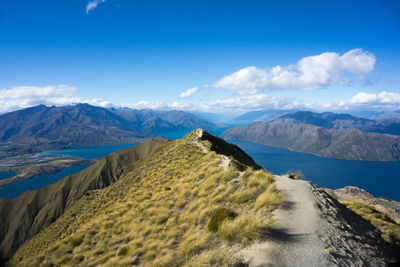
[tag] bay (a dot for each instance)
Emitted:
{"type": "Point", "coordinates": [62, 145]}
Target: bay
{"type": "Point", "coordinates": [6, 174]}
{"type": "Point", "coordinates": [89, 152]}
{"type": "Point", "coordinates": [37, 182]}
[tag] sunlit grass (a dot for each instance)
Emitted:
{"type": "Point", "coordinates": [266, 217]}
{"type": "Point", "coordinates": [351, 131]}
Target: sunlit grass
{"type": "Point", "coordinates": [389, 228]}
{"type": "Point", "coordinates": [158, 214]}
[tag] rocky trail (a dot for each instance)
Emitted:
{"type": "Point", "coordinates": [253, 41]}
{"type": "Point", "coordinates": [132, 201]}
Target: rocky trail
{"type": "Point", "coordinates": [313, 229]}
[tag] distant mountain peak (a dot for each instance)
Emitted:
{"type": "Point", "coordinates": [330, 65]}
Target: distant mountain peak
{"type": "Point", "coordinates": [332, 120]}
{"type": "Point", "coordinates": [82, 125]}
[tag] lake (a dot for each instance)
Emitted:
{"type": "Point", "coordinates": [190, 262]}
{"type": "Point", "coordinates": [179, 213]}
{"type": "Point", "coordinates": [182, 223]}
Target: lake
{"type": "Point", "coordinates": [37, 182]}
{"type": "Point", "coordinates": [6, 174]}
{"type": "Point", "coordinates": [382, 179]}
{"type": "Point", "coordinates": [14, 190]}
{"type": "Point", "coordinates": [89, 152]}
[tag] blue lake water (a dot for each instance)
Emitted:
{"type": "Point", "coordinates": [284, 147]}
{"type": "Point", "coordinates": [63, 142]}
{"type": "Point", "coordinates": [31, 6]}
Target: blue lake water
{"type": "Point", "coordinates": [89, 152]}
{"type": "Point", "coordinates": [37, 182]}
{"type": "Point", "coordinates": [14, 190]}
{"type": "Point", "coordinates": [6, 174]}
{"type": "Point", "coordinates": [382, 179]}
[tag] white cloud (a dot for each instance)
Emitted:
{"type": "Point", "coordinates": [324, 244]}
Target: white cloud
{"type": "Point", "coordinates": [250, 102]}
{"type": "Point", "coordinates": [227, 105]}
{"type": "Point", "coordinates": [93, 4]}
{"type": "Point", "coordinates": [188, 93]}
{"type": "Point", "coordinates": [58, 95]}
{"type": "Point", "coordinates": [309, 73]}
{"type": "Point", "coordinates": [98, 102]}
{"type": "Point", "coordinates": [382, 100]}
{"type": "Point", "coordinates": [147, 105]}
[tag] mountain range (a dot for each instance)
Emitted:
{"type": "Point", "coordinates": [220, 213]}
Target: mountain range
{"type": "Point", "coordinates": [332, 120]}
{"type": "Point", "coordinates": [153, 121]}
{"type": "Point", "coordinates": [82, 125]}
{"type": "Point", "coordinates": [393, 116]}
{"type": "Point", "coordinates": [351, 144]}
{"type": "Point", "coordinates": [262, 115]}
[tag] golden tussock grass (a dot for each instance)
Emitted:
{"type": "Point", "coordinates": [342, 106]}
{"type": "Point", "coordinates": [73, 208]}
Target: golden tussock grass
{"type": "Point", "coordinates": [157, 215]}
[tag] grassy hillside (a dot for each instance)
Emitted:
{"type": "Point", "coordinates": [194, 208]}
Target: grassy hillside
{"type": "Point", "coordinates": [389, 228]}
{"type": "Point", "coordinates": [26, 215]}
{"type": "Point", "coordinates": [181, 206]}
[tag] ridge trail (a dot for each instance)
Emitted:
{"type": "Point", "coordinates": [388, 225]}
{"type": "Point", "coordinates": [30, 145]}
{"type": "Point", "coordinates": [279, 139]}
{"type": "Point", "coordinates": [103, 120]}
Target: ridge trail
{"type": "Point", "coordinates": [294, 239]}
{"type": "Point", "coordinates": [225, 161]}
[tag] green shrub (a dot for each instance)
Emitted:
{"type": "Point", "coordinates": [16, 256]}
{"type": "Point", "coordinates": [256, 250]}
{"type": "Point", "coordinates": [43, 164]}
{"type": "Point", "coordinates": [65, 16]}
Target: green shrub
{"type": "Point", "coordinates": [108, 225]}
{"type": "Point", "coordinates": [217, 218]}
{"type": "Point", "coordinates": [123, 251]}
{"type": "Point", "coordinates": [65, 260]}
{"type": "Point", "coordinates": [295, 175]}
{"type": "Point", "coordinates": [76, 241]}
{"type": "Point", "coordinates": [47, 264]}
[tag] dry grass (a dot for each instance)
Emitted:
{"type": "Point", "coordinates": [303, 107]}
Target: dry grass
{"type": "Point", "coordinates": [390, 229]}
{"type": "Point", "coordinates": [157, 215]}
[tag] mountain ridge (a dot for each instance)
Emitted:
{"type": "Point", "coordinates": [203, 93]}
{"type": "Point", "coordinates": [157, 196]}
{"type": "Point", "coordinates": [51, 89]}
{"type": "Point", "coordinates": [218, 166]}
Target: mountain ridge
{"type": "Point", "coordinates": [262, 115]}
{"type": "Point", "coordinates": [337, 121]}
{"type": "Point", "coordinates": [175, 192]}
{"type": "Point", "coordinates": [351, 144]}
{"type": "Point", "coordinates": [82, 125]}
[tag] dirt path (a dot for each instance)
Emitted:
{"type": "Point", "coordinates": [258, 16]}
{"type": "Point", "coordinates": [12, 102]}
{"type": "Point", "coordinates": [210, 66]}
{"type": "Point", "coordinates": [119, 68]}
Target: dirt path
{"type": "Point", "coordinates": [225, 161]}
{"type": "Point", "coordinates": [294, 240]}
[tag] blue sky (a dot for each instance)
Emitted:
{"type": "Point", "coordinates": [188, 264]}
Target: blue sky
{"type": "Point", "coordinates": [228, 56]}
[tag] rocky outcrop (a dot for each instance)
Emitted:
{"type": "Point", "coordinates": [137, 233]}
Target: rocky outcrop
{"type": "Point", "coordinates": [352, 193]}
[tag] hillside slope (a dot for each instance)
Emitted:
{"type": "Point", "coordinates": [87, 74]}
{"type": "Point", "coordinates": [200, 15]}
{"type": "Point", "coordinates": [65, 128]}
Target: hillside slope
{"type": "Point", "coordinates": [355, 194]}
{"type": "Point", "coordinates": [186, 204]}
{"type": "Point", "coordinates": [349, 144]}
{"type": "Point", "coordinates": [200, 201]}
{"type": "Point", "coordinates": [332, 120]}
{"type": "Point", "coordinates": [26, 215]}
